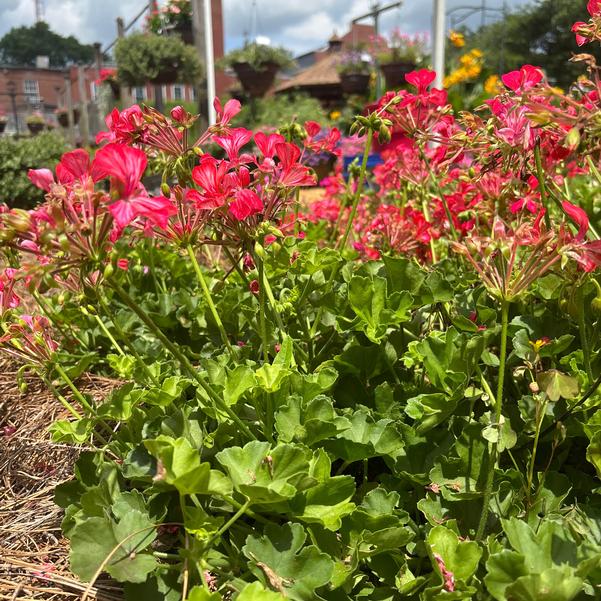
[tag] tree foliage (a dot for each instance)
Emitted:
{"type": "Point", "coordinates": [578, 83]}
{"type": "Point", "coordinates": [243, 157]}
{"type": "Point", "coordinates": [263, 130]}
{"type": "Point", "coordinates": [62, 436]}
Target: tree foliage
{"type": "Point", "coordinates": [538, 34]}
{"type": "Point", "coordinates": [21, 46]}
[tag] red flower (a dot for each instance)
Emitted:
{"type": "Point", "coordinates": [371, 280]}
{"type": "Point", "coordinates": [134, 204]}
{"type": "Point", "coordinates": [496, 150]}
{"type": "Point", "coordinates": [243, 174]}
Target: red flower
{"type": "Point", "coordinates": [576, 28]}
{"type": "Point", "coordinates": [292, 172]}
{"type": "Point", "coordinates": [232, 143]}
{"type": "Point", "coordinates": [254, 286]}
{"type": "Point", "coordinates": [123, 126]}
{"type": "Point", "coordinates": [421, 79]}
{"type": "Point", "coordinates": [227, 113]}
{"type": "Point", "coordinates": [247, 203]}
{"type": "Point", "coordinates": [210, 175]}
{"type": "Point", "coordinates": [578, 216]}
{"type": "Point", "coordinates": [593, 7]}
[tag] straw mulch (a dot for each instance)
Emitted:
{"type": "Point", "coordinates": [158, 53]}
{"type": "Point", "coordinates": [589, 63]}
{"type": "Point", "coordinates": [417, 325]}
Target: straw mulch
{"type": "Point", "coordinates": [34, 557]}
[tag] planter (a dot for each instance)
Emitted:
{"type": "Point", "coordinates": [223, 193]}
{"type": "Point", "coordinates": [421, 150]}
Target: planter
{"type": "Point", "coordinates": [63, 118]}
{"type": "Point", "coordinates": [256, 82]}
{"type": "Point", "coordinates": [36, 128]}
{"type": "Point", "coordinates": [167, 76]}
{"type": "Point", "coordinates": [394, 73]}
{"type": "Point", "coordinates": [2, 126]}
{"type": "Point", "coordinates": [184, 31]}
{"type": "Point", "coordinates": [355, 83]}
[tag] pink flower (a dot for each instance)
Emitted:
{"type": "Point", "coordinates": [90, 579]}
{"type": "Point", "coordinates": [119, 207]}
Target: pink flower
{"type": "Point", "coordinates": [210, 175]}
{"type": "Point", "coordinates": [123, 264]}
{"type": "Point", "coordinates": [292, 172]}
{"type": "Point", "coordinates": [179, 114]}
{"type": "Point", "coordinates": [576, 28]}
{"type": "Point", "coordinates": [593, 7]}
{"type": "Point", "coordinates": [524, 79]}
{"type": "Point", "coordinates": [125, 166]}
{"type": "Point", "coordinates": [123, 126]}
{"type": "Point", "coordinates": [254, 286]}
{"type": "Point", "coordinates": [227, 113]}
{"type": "Point", "coordinates": [41, 178]}
{"type": "Point", "coordinates": [232, 143]}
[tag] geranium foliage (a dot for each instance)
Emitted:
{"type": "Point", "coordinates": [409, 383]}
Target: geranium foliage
{"type": "Point", "coordinates": [389, 394]}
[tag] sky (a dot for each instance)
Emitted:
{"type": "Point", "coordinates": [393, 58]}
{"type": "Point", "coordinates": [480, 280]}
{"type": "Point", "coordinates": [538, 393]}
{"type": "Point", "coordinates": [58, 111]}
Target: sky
{"type": "Point", "coordinates": [300, 25]}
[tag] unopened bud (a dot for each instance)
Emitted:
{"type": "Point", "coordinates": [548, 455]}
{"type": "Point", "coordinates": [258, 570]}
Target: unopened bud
{"type": "Point", "coordinates": [109, 270]}
{"type": "Point", "coordinates": [572, 140]}
{"type": "Point", "coordinates": [165, 189]}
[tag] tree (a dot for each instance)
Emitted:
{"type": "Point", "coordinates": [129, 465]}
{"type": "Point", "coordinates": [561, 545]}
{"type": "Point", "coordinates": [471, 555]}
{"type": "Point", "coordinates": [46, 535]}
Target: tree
{"type": "Point", "coordinates": [538, 34]}
{"type": "Point", "coordinates": [21, 45]}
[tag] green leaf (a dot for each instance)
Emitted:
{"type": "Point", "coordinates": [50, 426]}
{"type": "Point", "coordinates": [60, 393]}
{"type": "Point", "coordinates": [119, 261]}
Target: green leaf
{"type": "Point", "coordinates": [593, 452]}
{"type": "Point", "coordinates": [179, 466]}
{"type": "Point", "coordinates": [271, 376]}
{"type": "Point", "coordinates": [125, 541]}
{"type": "Point", "coordinates": [553, 584]}
{"type": "Point", "coordinates": [366, 438]}
{"type": "Point", "coordinates": [171, 389]}
{"type": "Point", "coordinates": [461, 558]}
{"type": "Point", "coordinates": [121, 401]}
{"type": "Point", "coordinates": [264, 475]}
{"type": "Point", "coordinates": [122, 365]}
{"type": "Point", "coordinates": [280, 561]}
{"type": "Point", "coordinates": [77, 431]}
{"type": "Point", "coordinates": [558, 385]}
{"type": "Point", "coordinates": [503, 569]}
{"type": "Point", "coordinates": [257, 592]}
{"type": "Point", "coordinates": [327, 503]}
{"type": "Point", "coordinates": [309, 423]}
{"type": "Point", "coordinates": [198, 593]}
{"type": "Point", "coordinates": [237, 382]}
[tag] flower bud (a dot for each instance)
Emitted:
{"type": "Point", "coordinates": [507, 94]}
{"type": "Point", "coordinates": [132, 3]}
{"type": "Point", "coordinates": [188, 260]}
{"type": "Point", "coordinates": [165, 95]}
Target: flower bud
{"type": "Point", "coordinates": [179, 114]}
{"type": "Point", "coordinates": [572, 140]}
{"type": "Point", "coordinates": [165, 189]}
{"type": "Point", "coordinates": [109, 270]}
{"type": "Point", "coordinates": [596, 306]}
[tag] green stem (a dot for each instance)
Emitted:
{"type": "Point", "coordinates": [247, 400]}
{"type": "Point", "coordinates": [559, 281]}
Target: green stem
{"type": "Point", "coordinates": [109, 335]}
{"type": "Point", "coordinates": [207, 294]}
{"type": "Point", "coordinates": [181, 358]}
{"type": "Point", "coordinates": [63, 401]}
{"type": "Point", "coordinates": [270, 296]}
{"type": "Point", "coordinates": [539, 423]}
{"type": "Point", "coordinates": [82, 400]}
{"type": "Point", "coordinates": [231, 521]}
{"type": "Point", "coordinates": [498, 408]}
{"type": "Point", "coordinates": [347, 230]}
{"type": "Point", "coordinates": [125, 339]}
{"type": "Point", "coordinates": [540, 174]}
{"type": "Point", "coordinates": [584, 341]}
{"type": "Point", "coordinates": [358, 191]}
{"type": "Point", "coordinates": [262, 320]}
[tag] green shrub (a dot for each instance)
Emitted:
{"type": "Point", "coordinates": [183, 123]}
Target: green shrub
{"type": "Point", "coordinates": [278, 110]}
{"type": "Point", "coordinates": [17, 157]}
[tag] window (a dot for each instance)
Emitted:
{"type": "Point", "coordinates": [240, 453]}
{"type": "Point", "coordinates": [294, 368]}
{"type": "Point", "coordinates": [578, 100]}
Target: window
{"type": "Point", "coordinates": [93, 91]}
{"type": "Point", "coordinates": [192, 93]}
{"type": "Point", "coordinates": [139, 94]}
{"type": "Point", "coordinates": [31, 89]}
{"type": "Point", "coordinates": [178, 92]}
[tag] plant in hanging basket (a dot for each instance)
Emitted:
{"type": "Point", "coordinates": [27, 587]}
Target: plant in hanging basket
{"type": "Point", "coordinates": [62, 116]}
{"type": "Point", "coordinates": [108, 77]}
{"type": "Point", "coordinates": [35, 122]}
{"type": "Point", "coordinates": [355, 70]}
{"type": "Point", "coordinates": [144, 57]}
{"type": "Point", "coordinates": [173, 18]}
{"type": "Point", "coordinates": [398, 55]}
{"type": "Point", "coordinates": [256, 66]}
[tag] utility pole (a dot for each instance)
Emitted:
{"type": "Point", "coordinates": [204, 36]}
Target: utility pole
{"type": "Point", "coordinates": [199, 31]}
{"type": "Point", "coordinates": [438, 41]}
{"type": "Point", "coordinates": [39, 10]}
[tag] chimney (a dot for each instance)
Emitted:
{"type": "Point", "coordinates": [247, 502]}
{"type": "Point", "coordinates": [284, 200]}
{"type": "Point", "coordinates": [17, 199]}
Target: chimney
{"type": "Point", "coordinates": [334, 43]}
{"type": "Point", "coordinates": [42, 62]}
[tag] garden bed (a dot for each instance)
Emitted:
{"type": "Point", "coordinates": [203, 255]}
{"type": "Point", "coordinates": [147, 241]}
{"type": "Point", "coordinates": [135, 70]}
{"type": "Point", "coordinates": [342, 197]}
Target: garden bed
{"type": "Point", "coordinates": [34, 556]}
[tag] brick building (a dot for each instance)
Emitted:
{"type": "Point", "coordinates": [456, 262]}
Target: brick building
{"type": "Point", "coordinates": [25, 90]}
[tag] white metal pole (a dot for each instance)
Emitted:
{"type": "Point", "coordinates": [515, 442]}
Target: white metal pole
{"type": "Point", "coordinates": [438, 41]}
{"type": "Point", "coordinates": [210, 59]}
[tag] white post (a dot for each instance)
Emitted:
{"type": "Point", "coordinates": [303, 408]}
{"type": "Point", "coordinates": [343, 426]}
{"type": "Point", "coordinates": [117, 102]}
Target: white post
{"type": "Point", "coordinates": [210, 59]}
{"type": "Point", "coordinates": [438, 41]}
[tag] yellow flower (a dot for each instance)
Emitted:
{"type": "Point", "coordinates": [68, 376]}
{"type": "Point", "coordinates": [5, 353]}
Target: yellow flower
{"type": "Point", "coordinates": [335, 115]}
{"type": "Point", "coordinates": [492, 85]}
{"type": "Point", "coordinates": [457, 39]}
{"type": "Point", "coordinates": [477, 53]}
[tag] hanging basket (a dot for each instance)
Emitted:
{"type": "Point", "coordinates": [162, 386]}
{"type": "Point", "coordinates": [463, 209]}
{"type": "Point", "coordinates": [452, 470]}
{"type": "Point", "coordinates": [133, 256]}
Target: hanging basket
{"type": "Point", "coordinates": [184, 31]}
{"type": "Point", "coordinates": [36, 128]}
{"type": "Point", "coordinates": [256, 82]}
{"type": "Point", "coordinates": [63, 118]}
{"type": "Point", "coordinates": [394, 73]}
{"type": "Point", "coordinates": [355, 83]}
{"type": "Point", "coordinates": [168, 75]}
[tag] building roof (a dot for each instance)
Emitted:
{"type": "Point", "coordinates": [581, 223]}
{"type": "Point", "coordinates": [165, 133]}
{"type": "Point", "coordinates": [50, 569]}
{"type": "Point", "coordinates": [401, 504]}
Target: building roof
{"type": "Point", "coordinates": [323, 72]}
